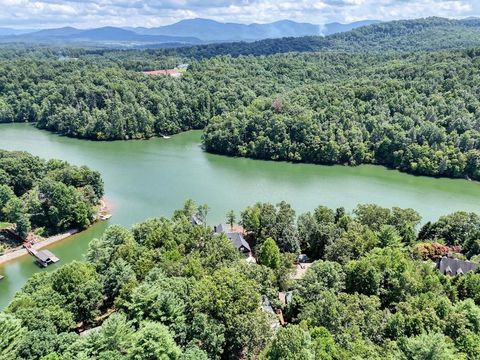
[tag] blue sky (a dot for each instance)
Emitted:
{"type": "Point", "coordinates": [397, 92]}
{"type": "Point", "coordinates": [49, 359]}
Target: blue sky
{"type": "Point", "coordinates": [94, 13]}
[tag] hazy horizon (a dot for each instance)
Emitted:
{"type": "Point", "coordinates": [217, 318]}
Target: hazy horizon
{"type": "Point", "coordinates": [225, 22]}
{"type": "Point", "coordinates": [177, 21]}
{"type": "Point", "coordinates": [41, 14]}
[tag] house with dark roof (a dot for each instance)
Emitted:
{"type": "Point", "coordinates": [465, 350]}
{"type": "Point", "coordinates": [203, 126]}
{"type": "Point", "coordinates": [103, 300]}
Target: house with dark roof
{"type": "Point", "coordinates": [235, 234]}
{"type": "Point", "coordinates": [451, 266]}
{"type": "Point", "coordinates": [195, 220]}
{"type": "Point", "coordinates": [221, 228]}
{"type": "Point", "coordinates": [239, 242]}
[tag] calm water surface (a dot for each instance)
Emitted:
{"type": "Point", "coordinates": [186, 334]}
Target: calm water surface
{"type": "Point", "coordinates": [153, 178]}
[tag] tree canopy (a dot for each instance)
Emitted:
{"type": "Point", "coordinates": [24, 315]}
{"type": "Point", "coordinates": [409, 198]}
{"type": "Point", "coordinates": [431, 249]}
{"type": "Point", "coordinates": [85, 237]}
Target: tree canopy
{"type": "Point", "coordinates": [169, 289]}
{"type": "Point", "coordinates": [48, 196]}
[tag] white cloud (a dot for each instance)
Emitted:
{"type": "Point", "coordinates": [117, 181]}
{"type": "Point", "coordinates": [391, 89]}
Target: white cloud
{"type": "Point", "coordinates": [93, 13]}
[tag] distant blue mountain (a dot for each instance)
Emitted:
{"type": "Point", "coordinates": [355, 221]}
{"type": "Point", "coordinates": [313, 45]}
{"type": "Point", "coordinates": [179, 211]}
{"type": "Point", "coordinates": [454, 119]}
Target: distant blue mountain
{"type": "Point", "coordinates": [51, 33]}
{"type": "Point", "coordinates": [214, 31]}
{"type": "Point", "coordinates": [189, 32]}
{"type": "Point", "coordinates": [8, 31]}
{"type": "Point", "coordinates": [110, 35]}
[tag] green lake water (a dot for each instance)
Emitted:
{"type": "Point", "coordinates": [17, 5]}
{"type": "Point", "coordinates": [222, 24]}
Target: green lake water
{"type": "Point", "coordinates": [154, 177]}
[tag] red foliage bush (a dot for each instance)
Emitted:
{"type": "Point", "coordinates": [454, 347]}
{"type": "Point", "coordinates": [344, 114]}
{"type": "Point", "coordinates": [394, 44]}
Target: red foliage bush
{"type": "Point", "coordinates": [434, 251]}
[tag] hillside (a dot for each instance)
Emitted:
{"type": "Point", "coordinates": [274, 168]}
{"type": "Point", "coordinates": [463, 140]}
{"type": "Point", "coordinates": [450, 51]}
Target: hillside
{"type": "Point", "coordinates": [170, 290]}
{"type": "Point", "coordinates": [404, 35]}
{"type": "Point", "coordinates": [335, 27]}
{"type": "Point", "coordinates": [414, 112]}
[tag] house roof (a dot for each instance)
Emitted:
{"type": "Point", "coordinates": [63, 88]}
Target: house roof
{"type": "Point", "coordinates": [234, 234]}
{"type": "Point", "coordinates": [452, 266]}
{"type": "Point", "coordinates": [43, 255]}
{"type": "Point", "coordinates": [238, 240]}
{"type": "Point", "coordinates": [162, 72]}
{"type": "Point", "coordinates": [224, 228]}
{"type": "Point", "coordinates": [266, 305]}
{"type": "Point", "coordinates": [221, 228]}
{"type": "Point", "coordinates": [195, 220]}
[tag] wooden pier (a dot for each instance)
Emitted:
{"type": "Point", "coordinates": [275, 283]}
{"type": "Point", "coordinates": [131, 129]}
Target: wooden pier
{"type": "Point", "coordinates": [43, 257]}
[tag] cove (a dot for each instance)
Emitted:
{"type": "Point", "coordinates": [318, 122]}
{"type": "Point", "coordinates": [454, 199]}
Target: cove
{"type": "Point", "coordinates": [154, 177]}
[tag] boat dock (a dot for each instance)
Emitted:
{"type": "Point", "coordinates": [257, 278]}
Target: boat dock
{"type": "Point", "coordinates": [104, 212]}
{"type": "Point", "coordinates": [105, 217]}
{"type": "Point", "coordinates": [43, 257]}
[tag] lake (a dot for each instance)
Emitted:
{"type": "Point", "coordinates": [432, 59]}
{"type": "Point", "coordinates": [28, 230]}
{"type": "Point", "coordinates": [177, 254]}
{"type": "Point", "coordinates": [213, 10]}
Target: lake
{"type": "Point", "coordinates": [154, 177]}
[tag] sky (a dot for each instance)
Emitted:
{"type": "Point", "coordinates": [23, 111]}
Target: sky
{"type": "Point", "coordinates": [151, 13]}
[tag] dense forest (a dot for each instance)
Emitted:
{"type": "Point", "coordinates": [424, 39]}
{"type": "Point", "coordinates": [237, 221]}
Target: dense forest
{"type": "Point", "coordinates": [168, 289]}
{"type": "Point", "coordinates": [415, 112]}
{"type": "Point", "coordinates": [46, 196]}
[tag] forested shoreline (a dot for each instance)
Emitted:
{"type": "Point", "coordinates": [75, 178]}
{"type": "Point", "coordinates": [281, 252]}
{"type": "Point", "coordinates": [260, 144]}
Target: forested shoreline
{"type": "Point", "coordinates": [170, 289]}
{"type": "Point", "coordinates": [416, 111]}
{"type": "Point", "coordinates": [413, 112]}
{"type": "Point", "coordinates": [46, 197]}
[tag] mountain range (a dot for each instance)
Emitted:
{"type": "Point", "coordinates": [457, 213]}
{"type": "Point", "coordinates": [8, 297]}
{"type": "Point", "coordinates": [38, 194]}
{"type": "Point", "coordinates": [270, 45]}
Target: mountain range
{"type": "Point", "coordinates": [214, 31]}
{"type": "Point", "coordinates": [190, 32]}
{"type": "Point", "coordinates": [425, 34]}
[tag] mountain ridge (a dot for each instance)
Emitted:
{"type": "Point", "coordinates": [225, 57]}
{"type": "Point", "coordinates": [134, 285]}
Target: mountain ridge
{"type": "Point", "coordinates": [204, 29]}
{"type": "Point", "coordinates": [97, 35]}
{"type": "Point", "coordinates": [424, 34]}
{"type": "Point", "coordinates": [186, 32]}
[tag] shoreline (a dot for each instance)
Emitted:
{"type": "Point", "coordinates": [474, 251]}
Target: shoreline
{"type": "Point", "coordinates": [20, 251]}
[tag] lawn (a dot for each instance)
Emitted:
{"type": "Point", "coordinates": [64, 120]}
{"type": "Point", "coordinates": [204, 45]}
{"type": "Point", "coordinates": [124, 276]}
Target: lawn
{"type": "Point", "coordinates": [4, 225]}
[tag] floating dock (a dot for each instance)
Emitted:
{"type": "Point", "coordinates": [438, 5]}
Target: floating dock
{"type": "Point", "coordinates": [43, 257]}
{"type": "Point", "coordinates": [105, 217]}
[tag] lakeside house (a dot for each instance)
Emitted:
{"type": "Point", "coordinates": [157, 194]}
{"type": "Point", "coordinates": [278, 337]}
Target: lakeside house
{"type": "Point", "coordinates": [452, 267]}
{"type": "Point", "coordinates": [235, 234]}
{"type": "Point", "coordinates": [195, 220]}
{"type": "Point", "coordinates": [276, 319]}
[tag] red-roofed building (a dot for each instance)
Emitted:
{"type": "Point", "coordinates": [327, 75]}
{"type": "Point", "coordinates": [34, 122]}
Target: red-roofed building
{"type": "Point", "coordinates": [167, 72]}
